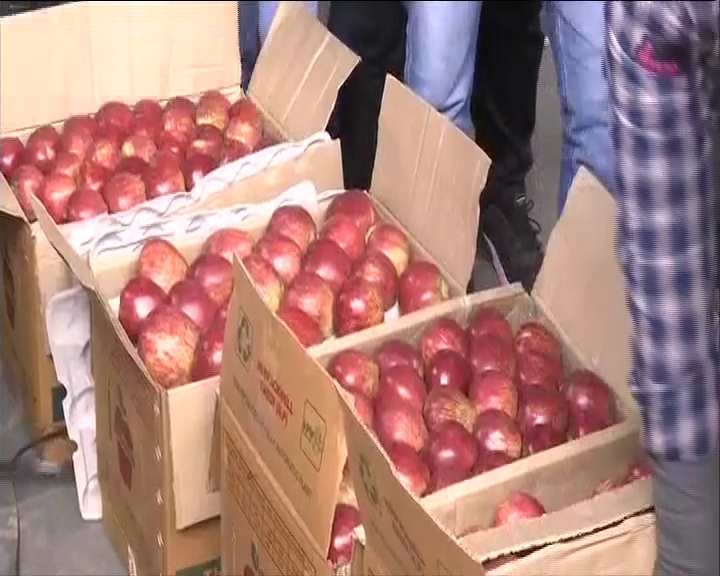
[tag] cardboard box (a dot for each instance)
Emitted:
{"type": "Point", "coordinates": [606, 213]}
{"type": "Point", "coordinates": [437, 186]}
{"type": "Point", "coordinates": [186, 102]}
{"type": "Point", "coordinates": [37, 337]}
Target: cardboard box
{"type": "Point", "coordinates": [94, 52]}
{"type": "Point", "coordinates": [426, 170]}
{"type": "Point", "coordinates": [154, 445]}
{"type": "Point", "coordinates": [261, 532]}
{"type": "Point", "coordinates": [579, 294]}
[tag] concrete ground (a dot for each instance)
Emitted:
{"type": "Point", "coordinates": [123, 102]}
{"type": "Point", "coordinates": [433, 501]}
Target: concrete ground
{"type": "Point", "coordinates": [56, 541]}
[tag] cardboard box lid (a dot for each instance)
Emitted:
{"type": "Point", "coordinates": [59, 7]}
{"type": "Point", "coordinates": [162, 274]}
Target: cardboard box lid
{"type": "Point", "coordinates": [429, 175]}
{"type": "Point", "coordinates": [580, 284]}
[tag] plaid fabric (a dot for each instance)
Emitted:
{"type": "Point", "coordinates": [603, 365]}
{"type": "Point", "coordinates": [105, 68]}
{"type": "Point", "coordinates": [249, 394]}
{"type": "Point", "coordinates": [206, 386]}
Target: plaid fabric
{"type": "Point", "coordinates": [662, 65]}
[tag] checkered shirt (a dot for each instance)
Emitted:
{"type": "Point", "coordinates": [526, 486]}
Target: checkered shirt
{"type": "Point", "coordinates": [662, 66]}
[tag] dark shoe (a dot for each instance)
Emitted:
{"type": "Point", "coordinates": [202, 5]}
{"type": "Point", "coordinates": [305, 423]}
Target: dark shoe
{"type": "Point", "coordinates": [510, 237]}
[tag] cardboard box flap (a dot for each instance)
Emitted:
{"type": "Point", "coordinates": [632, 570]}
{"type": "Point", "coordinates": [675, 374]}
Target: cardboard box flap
{"type": "Point", "coordinates": [569, 523]}
{"type": "Point", "coordinates": [429, 175]}
{"type": "Point", "coordinates": [79, 266]}
{"type": "Point", "coordinates": [215, 448]}
{"type": "Point", "coordinates": [86, 53]}
{"type": "Point", "coordinates": [299, 71]}
{"type": "Point", "coordinates": [290, 413]}
{"type": "Point", "coordinates": [581, 286]}
{"type": "Point", "coordinates": [8, 201]}
{"type": "Point", "coordinates": [418, 537]}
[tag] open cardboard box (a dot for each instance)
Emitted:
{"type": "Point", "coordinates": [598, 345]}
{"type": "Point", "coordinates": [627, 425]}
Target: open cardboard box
{"type": "Point", "coordinates": [426, 171]}
{"type": "Point", "coordinates": [100, 51]}
{"type": "Point", "coordinates": [260, 528]}
{"type": "Point", "coordinates": [154, 444]}
{"type": "Point", "coordinates": [579, 294]}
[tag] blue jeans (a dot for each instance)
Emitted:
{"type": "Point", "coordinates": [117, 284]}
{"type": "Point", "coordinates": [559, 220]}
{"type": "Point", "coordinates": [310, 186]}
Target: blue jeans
{"type": "Point", "coordinates": [440, 57]}
{"type": "Point", "coordinates": [576, 31]}
{"type": "Point", "coordinates": [255, 20]}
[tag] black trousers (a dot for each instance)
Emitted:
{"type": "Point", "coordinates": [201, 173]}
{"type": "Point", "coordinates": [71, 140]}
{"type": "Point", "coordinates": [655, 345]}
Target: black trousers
{"type": "Point", "coordinates": [509, 52]}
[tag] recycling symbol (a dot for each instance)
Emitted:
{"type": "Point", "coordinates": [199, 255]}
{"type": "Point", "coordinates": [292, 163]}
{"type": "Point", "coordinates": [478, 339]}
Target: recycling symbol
{"type": "Point", "coordinates": [369, 482]}
{"type": "Point", "coordinates": [244, 340]}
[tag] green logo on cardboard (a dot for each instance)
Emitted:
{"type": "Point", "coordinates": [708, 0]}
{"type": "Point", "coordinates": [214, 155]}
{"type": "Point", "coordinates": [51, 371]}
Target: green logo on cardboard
{"type": "Point", "coordinates": [368, 481]}
{"type": "Point", "coordinates": [244, 340]}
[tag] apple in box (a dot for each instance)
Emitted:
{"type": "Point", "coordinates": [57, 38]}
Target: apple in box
{"type": "Point", "coordinates": [26, 181]}
{"type": "Point", "coordinates": [11, 154]}
{"type": "Point", "coordinates": [41, 148]}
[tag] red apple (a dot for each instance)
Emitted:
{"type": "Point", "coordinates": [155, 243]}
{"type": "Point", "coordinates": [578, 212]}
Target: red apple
{"type": "Point", "coordinates": [92, 176]}
{"type": "Point", "coordinates": [399, 353]}
{"type": "Point", "coordinates": [221, 315]}
{"type": "Point", "coordinates": [234, 150]}
{"type": "Point", "coordinates": [162, 263]}
{"type": "Point", "coordinates": [445, 404]}
{"type": "Point", "coordinates": [305, 329]}
{"type": "Point", "coordinates": [133, 165]}
{"type": "Point", "coordinates": [327, 260]}
{"type": "Point", "coordinates": [209, 352]}
{"type": "Point", "coordinates": [357, 205]}
{"type": "Point", "coordinates": [123, 192]}
{"type": "Point", "coordinates": [420, 286]}
{"type": "Point", "coordinates": [639, 469]}
{"type": "Point", "coordinates": [85, 204]}
{"type": "Point", "coordinates": [148, 108]}
{"type": "Point", "coordinates": [375, 268]}
{"type": "Point", "coordinates": [190, 298]}
{"type": "Point", "coordinates": [448, 368]}
{"type": "Point", "coordinates": [488, 461]}
{"type": "Point", "coordinates": [163, 177]}
{"type": "Point", "coordinates": [11, 154]}
{"type": "Point", "coordinates": [364, 410]}
{"type": "Point", "coordinates": [266, 280]}
{"type": "Point", "coordinates": [490, 353]}
{"type": "Point", "coordinates": [402, 384]}
{"type": "Point", "coordinates": [409, 467]}
{"type": "Point", "coordinates": [493, 390]}
{"type": "Point", "coordinates": [537, 369]}
{"type": "Point", "coordinates": [244, 124]}
{"type": "Point", "coordinates": [398, 422]}
{"type": "Point", "coordinates": [215, 276]}
{"type": "Point", "coordinates": [111, 133]}
{"type": "Point", "coordinates": [391, 241]}
{"type": "Point", "coordinates": [208, 140]}
{"type": "Point", "coordinates": [534, 337]}
{"type": "Point", "coordinates": [541, 437]}
{"type": "Point", "coordinates": [212, 110]}
{"type": "Point", "coordinates": [585, 391]}
{"type": "Point", "coordinates": [311, 294]}
{"type": "Point", "coordinates": [355, 371]}
{"type": "Point", "coordinates": [358, 305]}
{"type": "Point", "coordinates": [451, 445]}
{"type": "Point", "coordinates": [166, 344]}
{"type": "Point", "coordinates": [25, 181]}
{"type": "Point", "coordinates": [516, 508]}
{"type": "Point", "coordinates": [229, 243]}
{"type": "Point", "coordinates": [179, 118]}
{"type": "Point", "coordinates": [139, 145]}
{"type": "Point", "coordinates": [342, 542]}
{"type": "Point", "coordinates": [343, 231]}
{"type": "Point", "coordinates": [148, 127]}
{"type": "Point", "coordinates": [444, 476]}
{"type": "Point", "coordinates": [491, 321]}
{"type": "Point", "coordinates": [583, 423]}
{"type": "Point", "coordinates": [442, 334]}
{"type": "Point", "coordinates": [495, 431]}
{"type": "Point", "coordinates": [68, 164]}
{"type": "Point", "coordinates": [105, 152]}
{"type": "Point", "coordinates": [41, 148]}
{"type": "Point", "coordinates": [282, 254]}
{"type": "Point", "coordinates": [138, 299]}
{"type": "Point", "coordinates": [540, 405]}
{"type": "Point", "coordinates": [170, 146]}
{"type": "Point", "coordinates": [115, 114]}
{"type": "Point", "coordinates": [295, 223]}
{"type": "Point", "coordinates": [197, 166]}
{"type": "Point", "coordinates": [77, 135]}
{"type": "Point", "coordinates": [55, 195]}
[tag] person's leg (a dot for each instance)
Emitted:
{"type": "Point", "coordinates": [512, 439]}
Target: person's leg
{"type": "Point", "coordinates": [375, 31]}
{"type": "Point", "coordinates": [267, 13]}
{"type": "Point", "coordinates": [510, 49]}
{"type": "Point", "coordinates": [440, 58]}
{"type": "Point", "coordinates": [576, 33]}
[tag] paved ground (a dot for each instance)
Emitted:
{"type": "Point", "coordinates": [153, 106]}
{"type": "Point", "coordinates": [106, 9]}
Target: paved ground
{"type": "Point", "coordinates": [54, 538]}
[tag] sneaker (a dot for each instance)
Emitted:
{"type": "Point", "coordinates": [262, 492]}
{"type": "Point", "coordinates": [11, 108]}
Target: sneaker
{"type": "Point", "coordinates": [510, 239]}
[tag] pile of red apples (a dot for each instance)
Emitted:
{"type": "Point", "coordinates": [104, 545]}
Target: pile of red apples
{"type": "Point", "coordinates": [122, 156]}
{"type": "Point", "coordinates": [468, 400]}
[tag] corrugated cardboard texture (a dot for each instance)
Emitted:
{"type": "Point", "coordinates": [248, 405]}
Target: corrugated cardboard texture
{"type": "Point", "coordinates": [70, 59]}
{"type": "Point", "coordinates": [429, 175]}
